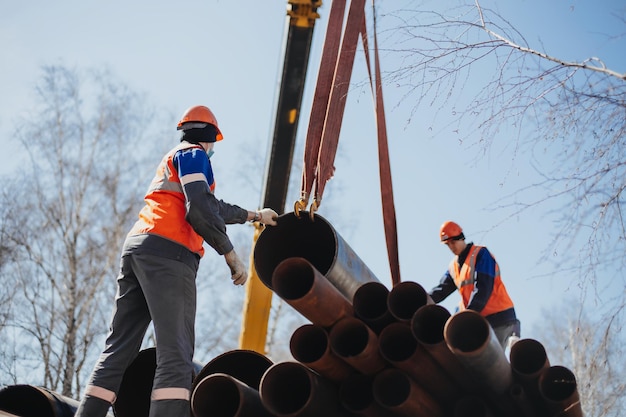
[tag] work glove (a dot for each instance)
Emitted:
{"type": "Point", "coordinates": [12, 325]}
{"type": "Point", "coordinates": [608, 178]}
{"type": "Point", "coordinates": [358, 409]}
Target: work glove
{"type": "Point", "coordinates": [268, 216]}
{"type": "Point", "coordinates": [238, 271]}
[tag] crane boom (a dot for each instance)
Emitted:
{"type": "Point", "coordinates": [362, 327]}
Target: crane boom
{"type": "Point", "coordinates": [302, 15]}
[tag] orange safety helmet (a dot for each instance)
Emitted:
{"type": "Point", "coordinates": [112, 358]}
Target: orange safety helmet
{"type": "Point", "coordinates": [201, 114]}
{"type": "Point", "coordinates": [450, 230]}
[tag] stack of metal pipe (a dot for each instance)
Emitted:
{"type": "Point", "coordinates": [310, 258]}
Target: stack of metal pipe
{"type": "Point", "coordinates": [367, 351]}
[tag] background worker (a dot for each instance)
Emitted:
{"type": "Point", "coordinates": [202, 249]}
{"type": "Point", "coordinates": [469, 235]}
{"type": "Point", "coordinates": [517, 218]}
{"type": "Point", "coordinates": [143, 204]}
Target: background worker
{"type": "Point", "coordinates": [159, 263]}
{"type": "Point", "coordinates": [476, 274]}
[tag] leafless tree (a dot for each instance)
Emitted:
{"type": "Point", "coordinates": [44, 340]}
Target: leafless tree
{"type": "Point", "coordinates": [481, 77]}
{"type": "Point", "coordinates": [70, 205]}
{"type": "Point", "coordinates": [593, 349]}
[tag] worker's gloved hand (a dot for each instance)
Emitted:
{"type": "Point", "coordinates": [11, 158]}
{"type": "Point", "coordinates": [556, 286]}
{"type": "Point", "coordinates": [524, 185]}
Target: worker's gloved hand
{"type": "Point", "coordinates": [268, 216]}
{"type": "Point", "coordinates": [238, 271]}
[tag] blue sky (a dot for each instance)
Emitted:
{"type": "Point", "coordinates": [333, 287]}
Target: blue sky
{"type": "Point", "coordinates": [227, 55]}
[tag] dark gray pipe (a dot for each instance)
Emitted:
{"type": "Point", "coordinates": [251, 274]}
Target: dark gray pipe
{"type": "Point", "coordinates": [290, 389]}
{"type": "Point", "coordinates": [31, 401]}
{"type": "Point", "coordinates": [559, 389]}
{"type": "Point", "coordinates": [396, 391]}
{"type": "Point", "coordinates": [355, 343]}
{"type": "Point", "coordinates": [310, 345]}
{"type": "Point", "coordinates": [405, 299]}
{"type": "Point", "coordinates": [316, 241]}
{"type": "Point", "coordinates": [303, 287]}
{"type": "Point", "coordinates": [221, 395]}
{"type": "Point", "coordinates": [399, 347]}
{"type": "Point", "coordinates": [133, 398]}
{"type": "Point", "coordinates": [370, 305]}
{"type": "Point", "coordinates": [472, 340]}
{"type": "Point", "coordinates": [427, 326]}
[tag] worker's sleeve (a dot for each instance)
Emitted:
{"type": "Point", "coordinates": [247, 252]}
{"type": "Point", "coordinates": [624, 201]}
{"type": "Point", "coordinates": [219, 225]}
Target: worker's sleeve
{"type": "Point", "coordinates": [485, 272]}
{"type": "Point", "coordinates": [206, 214]}
{"type": "Point", "coordinates": [444, 289]}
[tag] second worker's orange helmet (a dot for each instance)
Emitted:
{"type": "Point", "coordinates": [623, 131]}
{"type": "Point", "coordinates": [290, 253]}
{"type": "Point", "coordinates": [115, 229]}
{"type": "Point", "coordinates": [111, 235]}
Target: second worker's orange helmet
{"type": "Point", "coordinates": [450, 230]}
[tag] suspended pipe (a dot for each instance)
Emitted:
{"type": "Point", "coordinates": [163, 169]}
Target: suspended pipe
{"type": "Point", "coordinates": [316, 241]}
{"type": "Point", "coordinates": [356, 395]}
{"type": "Point", "coordinates": [356, 344]}
{"type": "Point", "coordinates": [310, 345]}
{"type": "Point", "coordinates": [31, 401]}
{"type": "Point", "coordinates": [427, 327]}
{"type": "Point", "coordinates": [397, 392]}
{"type": "Point", "coordinates": [221, 395]}
{"type": "Point", "coordinates": [133, 398]}
{"type": "Point", "coordinates": [558, 388]}
{"type": "Point", "coordinates": [405, 299]}
{"type": "Point", "coordinates": [370, 305]}
{"type": "Point", "coordinates": [472, 340]}
{"type": "Point", "coordinates": [303, 287]}
{"type": "Point", "coordinates": [399, 347]}
{"type": "Point", "coordinates": [290, 389]}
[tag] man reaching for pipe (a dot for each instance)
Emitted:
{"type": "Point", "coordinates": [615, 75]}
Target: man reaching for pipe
{"type": "Point", "coordinates": [476, 274]}
{"type": "Point", "coordinates": [157, 278]}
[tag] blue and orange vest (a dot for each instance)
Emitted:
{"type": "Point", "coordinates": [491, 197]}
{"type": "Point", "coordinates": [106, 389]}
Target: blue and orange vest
{"type": "Point", "coordinates": [165, 209]}
{"type": "Point", "coordinates": [464, 279]}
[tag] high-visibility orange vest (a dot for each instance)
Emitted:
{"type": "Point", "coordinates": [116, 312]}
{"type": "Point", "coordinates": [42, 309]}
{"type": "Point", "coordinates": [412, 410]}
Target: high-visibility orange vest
{"type": "Point", "coordinates": [464, 279]}
{"type": "Point", "coordinates": [164, 212]}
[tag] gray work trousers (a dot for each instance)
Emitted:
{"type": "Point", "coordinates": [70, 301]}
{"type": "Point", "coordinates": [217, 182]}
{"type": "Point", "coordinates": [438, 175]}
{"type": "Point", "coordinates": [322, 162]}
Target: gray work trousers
{"type": "Point", "coordinates": [161, 290]}
{"type": "Point", "coordinates": [506, 331]}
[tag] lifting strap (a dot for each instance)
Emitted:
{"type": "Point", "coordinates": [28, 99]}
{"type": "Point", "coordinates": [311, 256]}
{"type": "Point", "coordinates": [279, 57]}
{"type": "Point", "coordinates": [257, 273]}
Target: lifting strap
{"type": "Point", "coordinates": [327, 113]}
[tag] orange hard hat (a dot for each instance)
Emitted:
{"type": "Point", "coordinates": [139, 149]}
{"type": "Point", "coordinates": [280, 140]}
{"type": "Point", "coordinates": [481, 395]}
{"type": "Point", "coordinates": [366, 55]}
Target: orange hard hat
{"type": "Point", "coordinates": [200, 114]}
{"type": "Point", "coordinates": [450, 230]}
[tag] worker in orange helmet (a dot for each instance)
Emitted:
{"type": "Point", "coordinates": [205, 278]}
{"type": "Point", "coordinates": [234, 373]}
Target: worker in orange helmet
{"type": "Point", "coordinates": [159, 263]}
{"type": "Point", "coordinates": [476, 274]}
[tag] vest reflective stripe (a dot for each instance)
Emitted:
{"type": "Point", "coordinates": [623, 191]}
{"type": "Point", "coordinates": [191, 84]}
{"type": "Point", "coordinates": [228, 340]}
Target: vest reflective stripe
{"type": "Point", "coordinates": [465, 278]}
{"type": "Point", "coordinates": [170, 394]}
{"type": "Point", "coordinates": [102, 393]}
{"type": "Point", "coordinates": [164, 213]}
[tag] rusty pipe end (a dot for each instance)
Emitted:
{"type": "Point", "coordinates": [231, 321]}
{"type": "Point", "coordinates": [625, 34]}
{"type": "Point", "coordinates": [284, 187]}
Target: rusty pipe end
{"type": "Point", "coordinates": [428, 323]}
{"type": "Point", "coordinates": [405, 299]}
{"type": "Point", "coordinates": [528, 358]}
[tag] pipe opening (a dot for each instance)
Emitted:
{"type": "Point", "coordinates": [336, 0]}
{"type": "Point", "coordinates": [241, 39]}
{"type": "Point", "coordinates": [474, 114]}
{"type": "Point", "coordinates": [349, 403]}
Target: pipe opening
{"type": "Point", "coordinates": [349, 337]}
{"type": "Point", "coordinates": [391, 388]}
{"type": "Point", "coordinates": [405, 298]}
{"type": "Point", "coordinates": [28, 401]}
{"type": "Point", "coordinates": [428, 324]}
{"type": "Point", "coordinates": [295, 237]}
{"type": "Point", "coordinates": [397, 343]}
{"type": "Point", "coordinates": [370, 300]}
{"type": "Point", "coordinates": [293, 278]}
{"type": "Point", "coordinates": [557, 383]}
{"type": "Point", "coordinates": [216, 396]}
{"type": "Point", "coordinates": [528, 356]}
{"type": "Point", "coordinates": [308, 343]}
{"type": "Point", "coordinates": [356, 393]}
{"type": "Point", "coordinates": [286, 388]}
{"type": "Point", "coordinates": [467, 332]}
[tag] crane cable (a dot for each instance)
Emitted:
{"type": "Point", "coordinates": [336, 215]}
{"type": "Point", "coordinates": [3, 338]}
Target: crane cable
{"type": "Point", "coordinates": [327, 113]}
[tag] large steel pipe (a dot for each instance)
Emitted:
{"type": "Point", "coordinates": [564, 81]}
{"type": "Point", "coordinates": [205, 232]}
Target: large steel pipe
{"type": "Point", "coordinates": [399, 347]}
{"type": "Point", "coordinates": [310, 345]}
{"type": "Point", "coordinates": [290, 389]}
{"type": "Point", "coordinates": [559, 389]}
{"type": "Point", "coordinates": [528, 361]}
{"type": "Point", "coordinates": [221, 395]}
{"type": "Point", "coordinates": [355, 343]}
{"type": "Point", "coordinates": [247, 366]}
{"type": "Point", "coordinates": [427, 327]}
{"type": "Point", "coordinates": [397, 392]}
{"type": "Point", "coordinates": [356, 395]}
{"type": "Point", "coordinates": [316, 241]}
{"type": "Point", "coordinates": [370, 305]}
{"type": "Point", "coordinates": [405, 299]}
{"type": "Point", "coordinates": [472, 340]}
{"type": "Point", "coordinates": [133, 398]}
{"type": "Point", "coordinates": [303, 287]}
{"type": "Point", "coordinates": [31, 401]}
